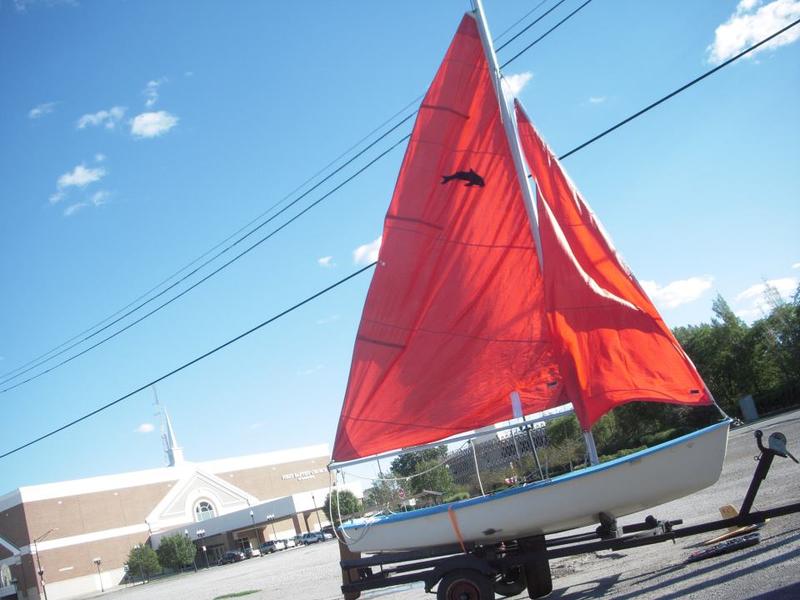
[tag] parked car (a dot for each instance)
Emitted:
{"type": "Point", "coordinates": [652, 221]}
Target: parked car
{"type": "Point", "coordinates": [231, 556]}
{"type": "Point", "coordinates": [311, 537]}
{"type": "Point", "coordinates": [272, 546]}
{"type": "Point", "coordinates": [290, 543]}
{"type": "Point", "coordinates": [328, 532]}
{"type": "Point", "coordinates": [251, 552]}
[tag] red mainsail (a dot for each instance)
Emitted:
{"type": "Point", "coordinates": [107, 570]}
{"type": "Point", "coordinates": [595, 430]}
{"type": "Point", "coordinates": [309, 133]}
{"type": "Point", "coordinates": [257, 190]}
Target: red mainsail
{"type": "Point", "coordinates": [460, 315]}
{"type": "Point", "coordinates": [454, 320]}
{"type": "Point", "coordinates": [612, 345]}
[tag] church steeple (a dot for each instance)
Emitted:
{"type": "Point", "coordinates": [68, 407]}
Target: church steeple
{"type": "Point", "coordinates": [174, 452]}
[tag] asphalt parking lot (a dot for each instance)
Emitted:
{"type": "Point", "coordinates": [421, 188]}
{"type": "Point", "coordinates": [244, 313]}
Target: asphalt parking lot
{"type": "Point", "coordinates": [770, 570]}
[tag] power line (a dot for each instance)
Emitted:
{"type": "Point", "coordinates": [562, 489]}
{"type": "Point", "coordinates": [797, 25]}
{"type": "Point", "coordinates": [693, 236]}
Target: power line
{"type": "Point", "coordinates": [544, 35]}
{"type": "Point", "coordinates": [517, 22]}
{"type": "Point", "coordinates": [46, 357]}
{"type": "Point", "coordinates": [531, 24]}
{"type": "Point", "coordinates": [110, 404]}
{"type": "Point", "coordinates": [208, 276]}
{"type": "Point", "coordinates": [195, 270]}
{"type": "Point", "coordinates": [123, 313]}
{"type": "Point", "coordinates": [678, 91]}
{"type": "Point", "coordinates": [188, 364]}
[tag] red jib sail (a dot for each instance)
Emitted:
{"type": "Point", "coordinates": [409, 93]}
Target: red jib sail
{"type": "Point", "coordinates": [454, 321]}
{"type": "Point", "coordinates": [612, 345]}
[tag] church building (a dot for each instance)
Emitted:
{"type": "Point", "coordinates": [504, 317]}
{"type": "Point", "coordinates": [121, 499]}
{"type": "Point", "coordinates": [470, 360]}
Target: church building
{"type": "Point", "coordinates": [73, 537]}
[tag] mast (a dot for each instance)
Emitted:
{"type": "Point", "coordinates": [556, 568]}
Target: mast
{"type": "Point", "coordinates": [510, 126]}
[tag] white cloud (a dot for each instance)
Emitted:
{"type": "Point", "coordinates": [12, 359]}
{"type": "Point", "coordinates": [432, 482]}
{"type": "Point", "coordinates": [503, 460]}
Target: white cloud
{"type": "Point", "coordinates": [22, 5]}
{"type": "Point", "coordinates": [752, 22]}
{"type": "Point", "coordinates": [368, 253]}
{"type": "Point", "coordinates": [597, 99]}
{"type": "Point", "coordinates": [73, 208]}
{"type": "Point", "coordinates": [515, 83]}
{"type": "Point", "coordinates": [678, 292]}
{"type": "Point", "coordinates": [753, 303]}
{"type": "Point", "coordinates": [42, 109]}
{"type": "Point", "coordinates": [796, 265]}
{"type": "Point", "coordinates": [150, 91]}
{"type": "Point", "coordinates": [152, 124]}
{"type": "Point", "coordinates": [785, 287]}
{"type": "Point", "coordinates": [100, 197]}
{"type": "Point", "coordinates": [311, 371]}
{"type": "Point", "coordinates": [99, 157]}
{"type": "Point", "coordinates": [145, 428]}
{"type": "Point", "coordinates": [80, 176]}
{"type": "Point", "coordinates": [326, 261]}
{"type": "Point", "coordinates": [188, 74]}
{"type": "Point", "coordinates": [326, 320]}
{"type": "Point", "coordinates": [107, 118]}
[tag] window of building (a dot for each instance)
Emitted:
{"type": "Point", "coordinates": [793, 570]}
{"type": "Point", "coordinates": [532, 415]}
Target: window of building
{"type": "Point", "coordinates": [204, 510]}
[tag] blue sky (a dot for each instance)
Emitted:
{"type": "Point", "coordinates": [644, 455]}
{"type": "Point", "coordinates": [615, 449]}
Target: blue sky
{"type": "Point", "coordinates": [137, 135]}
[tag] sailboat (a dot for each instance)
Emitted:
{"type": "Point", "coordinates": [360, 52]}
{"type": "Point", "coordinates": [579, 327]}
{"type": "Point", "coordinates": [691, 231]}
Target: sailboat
{"type": "Point", "coordinates": [497, 294]}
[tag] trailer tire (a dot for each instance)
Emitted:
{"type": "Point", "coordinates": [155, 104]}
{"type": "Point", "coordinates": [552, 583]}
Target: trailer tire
{"type": "Point", "coordinates": [537, 571]}
{"type": "Point", "coordinates": [510, 583]}
{"type": "Point", "coordinates": [465, 584]}
{"type": "Point", "coordinates": [539, 579]}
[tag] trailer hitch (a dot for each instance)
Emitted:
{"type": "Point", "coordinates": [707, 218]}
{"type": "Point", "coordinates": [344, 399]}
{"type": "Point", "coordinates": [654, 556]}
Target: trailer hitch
{"type": "Point", "coordinates": [776, 446]}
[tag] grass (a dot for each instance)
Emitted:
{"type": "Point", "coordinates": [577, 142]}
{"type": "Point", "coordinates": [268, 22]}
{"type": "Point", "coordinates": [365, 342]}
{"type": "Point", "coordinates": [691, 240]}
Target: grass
{"type": "Point", "coordinates": [237, 594]}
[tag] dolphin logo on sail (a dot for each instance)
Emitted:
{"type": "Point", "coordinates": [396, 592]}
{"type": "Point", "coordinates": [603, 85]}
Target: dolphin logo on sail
{"type": "Point", "coordinates": [471, 177]}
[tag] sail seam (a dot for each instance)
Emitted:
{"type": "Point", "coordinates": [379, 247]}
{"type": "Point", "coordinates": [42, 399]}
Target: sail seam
{"type": "Point", "coordinates": [447, 240]}
{"type": "Point", "coordinates": [380, 343]}
{"type": "Point", "coordinates": [413, 220]}
{"type": "Point", "coordinates": [445, 108]}
{"type": "Point", "coordinates": [456, 334]}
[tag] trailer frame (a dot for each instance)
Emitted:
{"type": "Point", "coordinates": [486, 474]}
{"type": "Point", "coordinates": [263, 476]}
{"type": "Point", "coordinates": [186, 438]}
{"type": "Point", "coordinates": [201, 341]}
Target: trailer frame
{"type": "Point", "coordinates": [477, 571]}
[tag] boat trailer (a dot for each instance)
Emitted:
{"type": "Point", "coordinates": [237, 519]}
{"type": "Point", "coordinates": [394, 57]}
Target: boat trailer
{"type": "Point", "coordinates": [478, 572]}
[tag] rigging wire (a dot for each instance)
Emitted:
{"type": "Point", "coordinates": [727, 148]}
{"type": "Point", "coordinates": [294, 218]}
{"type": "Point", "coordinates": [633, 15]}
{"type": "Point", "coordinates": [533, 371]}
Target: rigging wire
{"type": "Point", "coordinates": [354, 274]}
{"type": "Point", "coordinates": [208, 276]}
{"type": "Point", "coordinates": [191, 362]}
{"type": "Point", "coordinates": [85, 335]}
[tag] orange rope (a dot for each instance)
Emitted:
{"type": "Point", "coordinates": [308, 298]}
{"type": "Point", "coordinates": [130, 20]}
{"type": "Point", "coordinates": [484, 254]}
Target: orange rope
{"type": "Point", "coordinates": [454, 522]}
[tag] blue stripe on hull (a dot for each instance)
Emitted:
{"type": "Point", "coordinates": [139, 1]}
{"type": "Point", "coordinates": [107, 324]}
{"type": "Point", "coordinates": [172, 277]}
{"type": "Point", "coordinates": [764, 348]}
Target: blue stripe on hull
{"type": "Point", "coordinates": [537, 485]}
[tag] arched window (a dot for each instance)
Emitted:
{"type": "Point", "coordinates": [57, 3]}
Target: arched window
{"type": "Point", "coordinates": [203, 511]}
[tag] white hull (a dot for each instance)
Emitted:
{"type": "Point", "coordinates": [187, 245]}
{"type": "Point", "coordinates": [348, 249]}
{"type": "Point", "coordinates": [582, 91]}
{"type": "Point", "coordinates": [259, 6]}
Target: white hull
{"type": "Point", "coordinates": [620, 487]}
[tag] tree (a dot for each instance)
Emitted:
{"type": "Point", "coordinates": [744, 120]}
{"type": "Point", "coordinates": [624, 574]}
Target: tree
{"type": "Point", "coordinates": [176, 551]}
{"type": "Point", "coordinates": [142, 562]}
{"type": "Point", "coordinates": [346, 506]}
{"type": "Point", "coordinates": [382, 494]}
{"type": "Point", "coordinates": [423, 471]}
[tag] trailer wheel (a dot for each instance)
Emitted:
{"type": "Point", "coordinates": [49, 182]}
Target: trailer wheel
{"type": "Point", "coordinates": [465, 584]}
{"type": "Point", "coordinates": [537, 571]}
{"type": "Point", "coordinates": [510, 583]}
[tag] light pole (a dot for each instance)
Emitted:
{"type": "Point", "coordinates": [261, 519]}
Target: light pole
{"type": "Point", "coordinates": [316, 510]}
{"type": "Point", "coordinates": [97, 563]}
{"type": "Point", "coordinates": [253, 521]}
{"type": "Point", "coordinates": [150, 533]}
{"type": "Point", "coordinates": [201, 534]}
{"type": "Point", "coordinates": [39, 569]}
{"type": "Point", "coordinates": [271, 521]}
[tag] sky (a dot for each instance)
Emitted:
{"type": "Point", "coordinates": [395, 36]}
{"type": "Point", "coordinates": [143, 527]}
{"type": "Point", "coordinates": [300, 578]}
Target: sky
{"type": "Point", "coordinates": [136, 136]}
